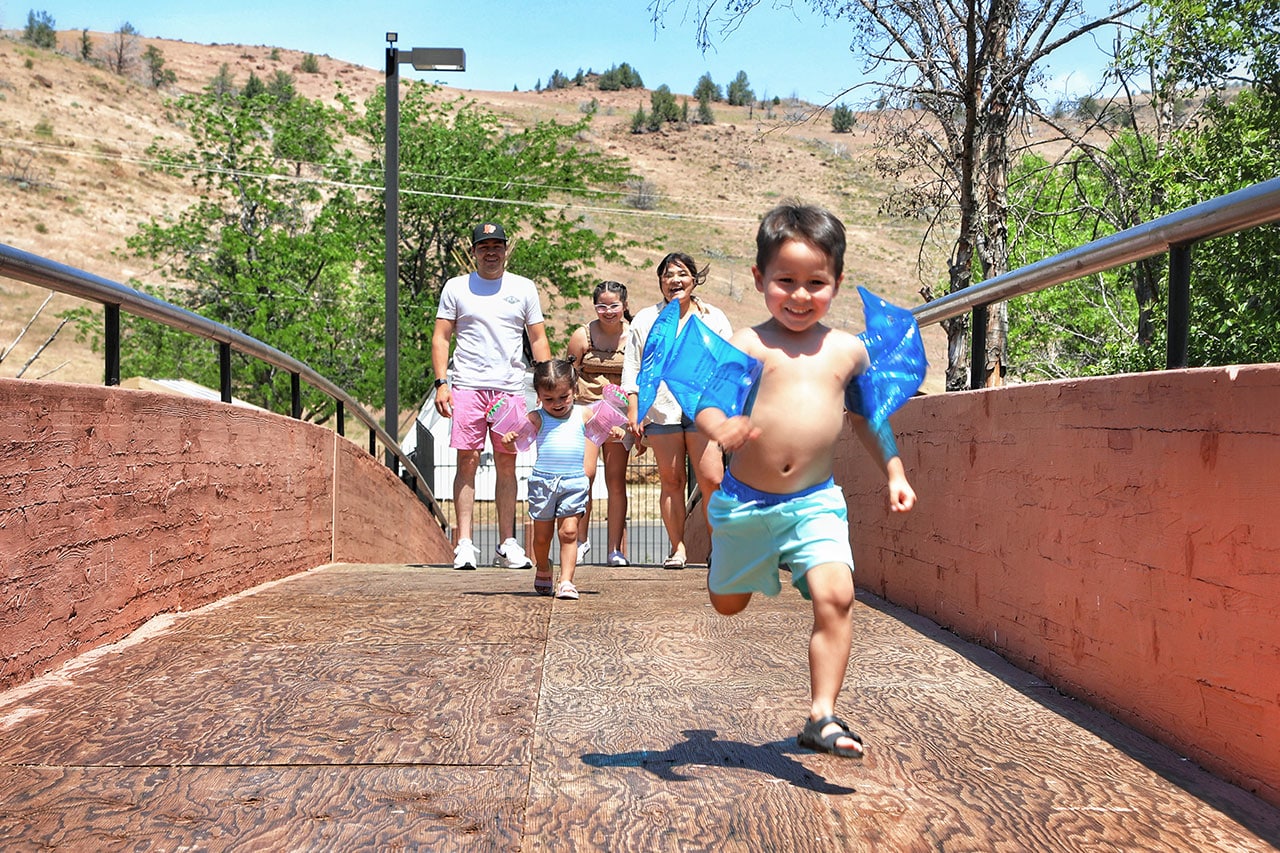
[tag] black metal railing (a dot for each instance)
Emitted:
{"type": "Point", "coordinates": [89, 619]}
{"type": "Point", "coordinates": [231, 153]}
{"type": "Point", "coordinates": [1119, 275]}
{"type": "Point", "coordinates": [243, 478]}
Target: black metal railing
{"type": "Point", "coordinates": [115, 297]}
{"type": "Point", "coordinates": [1174, 233]}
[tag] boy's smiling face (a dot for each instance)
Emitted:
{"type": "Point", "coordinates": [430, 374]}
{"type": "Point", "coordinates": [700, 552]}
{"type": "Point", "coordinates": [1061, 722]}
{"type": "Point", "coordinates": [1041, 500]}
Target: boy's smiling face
{"type": "Point", "coordinates": [798, 285]}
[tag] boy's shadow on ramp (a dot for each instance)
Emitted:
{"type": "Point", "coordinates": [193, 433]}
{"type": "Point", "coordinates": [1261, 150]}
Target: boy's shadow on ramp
{"type": "Point", "coordinates": [700, 747]}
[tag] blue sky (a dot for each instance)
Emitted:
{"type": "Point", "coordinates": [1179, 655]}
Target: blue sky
{"type": "Point", "coordinates": [509, 43]}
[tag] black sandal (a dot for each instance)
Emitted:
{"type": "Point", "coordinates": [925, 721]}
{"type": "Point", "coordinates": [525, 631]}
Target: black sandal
{"type": "Point", "coordinates": [811, 737]}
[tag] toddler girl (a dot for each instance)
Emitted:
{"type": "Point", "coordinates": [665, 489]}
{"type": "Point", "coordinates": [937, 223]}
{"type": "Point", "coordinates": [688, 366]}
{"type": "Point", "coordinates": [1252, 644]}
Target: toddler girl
{"type": "Point", "coordinates": [558, 486]}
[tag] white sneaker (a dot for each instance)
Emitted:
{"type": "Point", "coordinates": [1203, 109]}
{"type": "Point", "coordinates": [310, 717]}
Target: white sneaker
{"type": "Point", "coordinates": [511, 556]}
{"type": "Point", "coordinates": [617, 558]}
{"type": "Point", "coordinates": [465, 556]}
{"type": "Point", "coordinates": [583, 548]}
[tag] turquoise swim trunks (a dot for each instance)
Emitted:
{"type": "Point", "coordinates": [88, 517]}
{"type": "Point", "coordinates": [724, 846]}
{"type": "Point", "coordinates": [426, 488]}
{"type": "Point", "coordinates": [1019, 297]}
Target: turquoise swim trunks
{"type": "Point", "coordinates": [754, 534]}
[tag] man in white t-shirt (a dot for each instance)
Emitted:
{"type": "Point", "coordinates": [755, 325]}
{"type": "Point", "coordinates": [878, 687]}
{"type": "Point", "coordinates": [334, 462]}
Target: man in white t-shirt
{"type": "Point", "coordinates": [488, 311]}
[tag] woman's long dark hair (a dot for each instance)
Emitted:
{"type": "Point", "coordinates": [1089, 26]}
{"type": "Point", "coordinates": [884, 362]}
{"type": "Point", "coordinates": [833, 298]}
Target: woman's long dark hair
{"type": "Point", "coordinates": [699, 275]}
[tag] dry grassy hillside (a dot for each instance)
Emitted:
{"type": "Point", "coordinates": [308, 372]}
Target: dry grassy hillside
{"type": "Point", "coordinates": [74, 182]}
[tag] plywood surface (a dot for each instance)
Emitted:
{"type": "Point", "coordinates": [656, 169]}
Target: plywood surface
{"type": "Point", "coordinates": [398, 707]}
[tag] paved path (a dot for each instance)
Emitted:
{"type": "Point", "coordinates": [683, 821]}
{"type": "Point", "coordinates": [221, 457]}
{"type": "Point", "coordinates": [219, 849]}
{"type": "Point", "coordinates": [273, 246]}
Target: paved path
{"type": "Point", "coordinates": [394, 707]}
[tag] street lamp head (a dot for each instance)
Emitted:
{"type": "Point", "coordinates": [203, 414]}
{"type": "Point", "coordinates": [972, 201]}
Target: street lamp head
{"type": "Point", "coordinates": [436, 58]}
{"type": "Point", "coordinates": [391, 37]}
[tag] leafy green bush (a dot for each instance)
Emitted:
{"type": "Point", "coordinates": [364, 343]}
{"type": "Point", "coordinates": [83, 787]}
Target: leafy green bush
{"type": "Point", "coordinates": [841, 119]}
{"type": "Point", "coordinates": [619, 77]}
{"type": "Point", "coordinates": [740, 94]}
{"type": "Point", "coordinates": [40, 30]}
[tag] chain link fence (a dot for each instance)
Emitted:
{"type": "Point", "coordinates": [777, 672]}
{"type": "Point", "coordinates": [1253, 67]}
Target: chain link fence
{"type": "Point", "coordinates": [646, 538]}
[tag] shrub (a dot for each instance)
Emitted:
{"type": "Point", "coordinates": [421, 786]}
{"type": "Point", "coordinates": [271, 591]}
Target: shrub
{"type": "Point", "coordinates": [706, 89]}
{"type": "Point", "coordinates": [740, 93]}
{"type": "Point", "coordinates": [842, 119]}
{"type": "Point", "coordinates": [663, 106]}
{"type": "Point", "coordinates": [641, 194]}
{"type": "Point", "coordinates": [40, 30]}
{"type": "Point", "coordinates": [619, 77]}
{"type": "Point", "coordinates": [705, 116]}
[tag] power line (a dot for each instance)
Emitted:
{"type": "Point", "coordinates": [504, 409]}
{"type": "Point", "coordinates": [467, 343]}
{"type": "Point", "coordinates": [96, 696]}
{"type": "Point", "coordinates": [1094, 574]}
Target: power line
{"type": "Point", "coordinates": [378, 188]}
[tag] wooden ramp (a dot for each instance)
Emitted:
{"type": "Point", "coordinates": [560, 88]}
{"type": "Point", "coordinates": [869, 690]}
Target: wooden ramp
{"type": "Point", "coordinates": [416, 708]}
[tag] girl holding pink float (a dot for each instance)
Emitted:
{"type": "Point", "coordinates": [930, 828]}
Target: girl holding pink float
{"type": "Point", "coordinates": [558, 487]}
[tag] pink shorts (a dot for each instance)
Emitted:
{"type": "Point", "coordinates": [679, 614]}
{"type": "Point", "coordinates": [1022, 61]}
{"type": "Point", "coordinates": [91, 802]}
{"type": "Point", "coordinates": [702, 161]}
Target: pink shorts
{"type": "Point", "coordinates": [469, 424]}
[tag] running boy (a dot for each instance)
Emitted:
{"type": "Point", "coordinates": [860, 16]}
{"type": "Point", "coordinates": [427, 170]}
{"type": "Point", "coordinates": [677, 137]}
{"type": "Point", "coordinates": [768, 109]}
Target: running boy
{"type": "Point", "coordinates": [778, 504]}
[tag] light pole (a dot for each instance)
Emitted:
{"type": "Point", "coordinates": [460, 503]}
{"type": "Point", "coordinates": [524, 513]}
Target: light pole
{"type": "Point", "coordinates": [423, 59]}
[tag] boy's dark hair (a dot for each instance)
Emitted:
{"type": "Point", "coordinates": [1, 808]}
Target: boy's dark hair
{"type": "Point", "coordinates": [816, 226]}
{"type": "Point", "coordinates": [549, 374]}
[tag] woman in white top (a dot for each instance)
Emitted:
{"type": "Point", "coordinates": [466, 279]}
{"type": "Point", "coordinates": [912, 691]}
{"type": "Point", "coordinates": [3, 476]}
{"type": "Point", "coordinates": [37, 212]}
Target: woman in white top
{"type": "Point", "coordinates": [665, 428]}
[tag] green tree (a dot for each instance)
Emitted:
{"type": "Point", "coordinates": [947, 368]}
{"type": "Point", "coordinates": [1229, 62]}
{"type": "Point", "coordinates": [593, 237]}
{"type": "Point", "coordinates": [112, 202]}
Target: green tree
{"type": "Point", "coordinates": [157, 74]}
{"type": "Point", "coordinates": [281, 86]}
{"type": "Point", "coordinates": [298, 263]}
{"type": "Point", "coordinates": [706, 89]}
{"type": "Point", "coordinates": [662, 107]}
{"type": "Point", "coordinates": [1086, 327]}
{"type": "Point", "coordinates": [223, 83]}
{"type": "Point", "coordinates": [40, 30]}
{"type": "Point", "coordinates": [86, 46]}
{"type": "Point", "coordinates": [1224, 142]}
{"type": "Point", "coordinates": [272, 257]}
{"type": "Point", "coordinates": [960, 78]}
{"type": "Point", "coordinates": [310, 65]}
{"type": "Point", "coordinates": [619, 77]}
{"type": "Point", "coordinates": [739, 93]}
{"type": "Point", "coordinates": [841, 119]}
{"type": "Point", "coordinates": [253, 87]}
{"type": "Point", "coordinates": [1234, 311]}
{"type": "Point", "coordinates": [1194, 45]}
{"type": "Point", "coordinates": [705, 115]}
{"type": "Point", "coordinates": [460, 164]}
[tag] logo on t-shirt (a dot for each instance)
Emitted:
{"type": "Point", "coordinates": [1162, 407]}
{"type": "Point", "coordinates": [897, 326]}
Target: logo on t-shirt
{"type": "Point", "coordinates": [511, 300]}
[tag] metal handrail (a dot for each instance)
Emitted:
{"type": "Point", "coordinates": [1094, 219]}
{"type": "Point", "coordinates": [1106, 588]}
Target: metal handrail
{"type": "Point", "coordinates": [1245, 208]}
{"type": "Point", "coordinates": [33, 269]}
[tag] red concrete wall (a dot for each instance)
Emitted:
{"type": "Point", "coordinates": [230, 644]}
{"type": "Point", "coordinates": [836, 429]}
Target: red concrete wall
{"type": "Point", "coordinates": [1117, 537]}
{"type": "Point", "coordinates": [118, 505]}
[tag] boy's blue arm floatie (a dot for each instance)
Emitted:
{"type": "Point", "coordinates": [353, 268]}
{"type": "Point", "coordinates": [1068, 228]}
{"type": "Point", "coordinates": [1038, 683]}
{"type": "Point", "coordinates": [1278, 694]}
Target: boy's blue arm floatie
{"type": "Point", "coordinates": [897, 368]}
{"type": "Point", "coordinates": [707, 372]}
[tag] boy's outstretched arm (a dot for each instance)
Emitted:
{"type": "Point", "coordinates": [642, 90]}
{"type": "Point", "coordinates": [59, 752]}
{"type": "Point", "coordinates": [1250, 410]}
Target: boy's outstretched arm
{"type": "Point", "coordinates": [881, 445]}
{"type": "Point", "coordinates": [729, 433]}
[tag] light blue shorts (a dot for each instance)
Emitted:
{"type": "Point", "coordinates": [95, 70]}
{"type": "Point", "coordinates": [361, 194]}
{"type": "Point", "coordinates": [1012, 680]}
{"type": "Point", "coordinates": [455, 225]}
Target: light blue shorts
{"type": "Point", "coordinates": [552, 496]}
{"type": "Point", "coordinates": [754, 534]}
